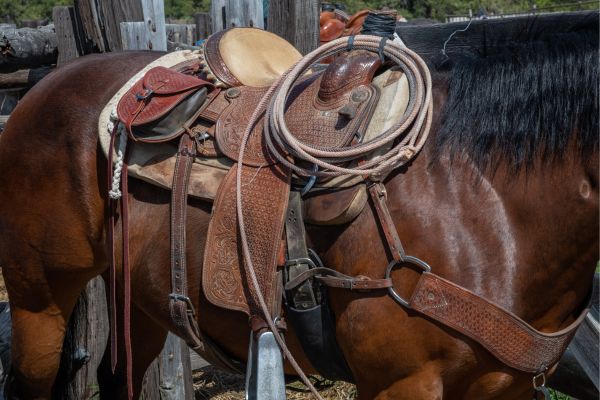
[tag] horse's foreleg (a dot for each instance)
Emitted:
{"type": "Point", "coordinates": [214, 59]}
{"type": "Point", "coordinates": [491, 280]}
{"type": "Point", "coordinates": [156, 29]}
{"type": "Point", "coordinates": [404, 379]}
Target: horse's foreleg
{"type": "Point", "coordinates": [423, 385]}
{"type": "Point", "coordinates": [147, 340]}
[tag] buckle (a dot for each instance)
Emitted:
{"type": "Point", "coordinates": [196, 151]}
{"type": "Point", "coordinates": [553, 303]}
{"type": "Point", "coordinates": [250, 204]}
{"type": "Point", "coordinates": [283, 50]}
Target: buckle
{"type": "Point", "coordinates": [300, 261]}
{"type": "Point", "coordinates": [143, 96]}
{"type": "Point", "coordinates": [539, 380]}
{"type": "Point", "coordinates": [405, 260]}
{"type": "Point", "coordinates": [180, 297]}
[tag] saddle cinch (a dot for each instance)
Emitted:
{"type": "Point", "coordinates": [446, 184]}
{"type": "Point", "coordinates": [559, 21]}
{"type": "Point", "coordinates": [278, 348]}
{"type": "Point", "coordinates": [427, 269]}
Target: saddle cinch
{"type": "Point", "coordinates": [205, 104]}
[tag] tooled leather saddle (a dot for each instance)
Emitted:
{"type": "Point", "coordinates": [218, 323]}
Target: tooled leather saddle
{"type": "Point", "coordinates": [330, 108]}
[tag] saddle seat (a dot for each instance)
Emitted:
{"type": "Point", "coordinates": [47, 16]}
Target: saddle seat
{"type": "Point", "coordinates": [247, 57]}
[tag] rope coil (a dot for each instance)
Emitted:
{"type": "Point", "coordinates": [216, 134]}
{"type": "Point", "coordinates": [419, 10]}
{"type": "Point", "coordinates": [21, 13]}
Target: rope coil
{"type": "Point", "coordinates": [409, 133]}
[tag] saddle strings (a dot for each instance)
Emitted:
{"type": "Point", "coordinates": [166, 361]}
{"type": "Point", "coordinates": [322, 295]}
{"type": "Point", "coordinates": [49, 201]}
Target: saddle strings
{"type": "Point", "coordinates": [282, 143]}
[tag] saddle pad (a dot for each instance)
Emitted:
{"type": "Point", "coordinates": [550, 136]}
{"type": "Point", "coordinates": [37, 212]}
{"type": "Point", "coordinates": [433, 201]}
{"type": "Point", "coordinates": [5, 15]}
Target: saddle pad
{"type": "Point", "coordinates": [154, 163]}
{"type": "Point", "coordinates": [265, 194]}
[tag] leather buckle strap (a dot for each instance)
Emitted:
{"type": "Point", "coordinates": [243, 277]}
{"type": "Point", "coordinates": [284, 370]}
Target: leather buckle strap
{"type": "Point", "coordinates": [180, 305]}
{"type": "Point", "coordinates": [379, 197]}
{"type": "Point", "coordinates": [301, 295]}
{"type": "Point", "coordinates": [332, 278]}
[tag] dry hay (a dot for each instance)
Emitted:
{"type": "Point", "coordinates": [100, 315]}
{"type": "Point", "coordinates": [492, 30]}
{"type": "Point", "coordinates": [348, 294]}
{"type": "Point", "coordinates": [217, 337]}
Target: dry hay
{"type": "Point", "coordinates": [213, 384]}
{"type": "Point", "coordinates": [3, 293]}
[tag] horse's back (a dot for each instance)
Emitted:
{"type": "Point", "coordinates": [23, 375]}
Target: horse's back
{"type": "Point", "coordinates": [73, 94]}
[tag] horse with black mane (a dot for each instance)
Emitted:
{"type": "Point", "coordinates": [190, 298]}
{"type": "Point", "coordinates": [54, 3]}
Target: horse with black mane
{"type": "Point", "coordinates": [502, 200]}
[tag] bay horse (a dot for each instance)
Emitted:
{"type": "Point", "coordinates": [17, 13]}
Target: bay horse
{"type": "Point", "coordinates": [503, 200]}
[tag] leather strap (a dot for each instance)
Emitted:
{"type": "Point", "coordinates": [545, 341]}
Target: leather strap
{"type": "Point", "coordinates": [509, 338]}
{"type": "Point", "coordinates": [379, 197]}
{"type": "Point", "coordinates": [300, 296]}
{"type": "Point", "coordinates": [332, 278]}
{"type": "Point", "coordinates": [180, 305]}
{"type": "Point", "coordinates": [111, 256]}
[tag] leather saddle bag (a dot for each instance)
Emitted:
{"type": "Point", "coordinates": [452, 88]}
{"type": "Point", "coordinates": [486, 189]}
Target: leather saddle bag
{"type": "Point", "coordinates": [159, 105]}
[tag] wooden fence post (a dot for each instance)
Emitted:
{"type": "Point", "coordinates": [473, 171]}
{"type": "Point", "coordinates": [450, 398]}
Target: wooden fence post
{"type": "Point", "coordinates": [203, 25]}
{"type": "Point", "coordinates": [154, 17]}
{"type": "Point", "coordinates": [102, 20]}
{"type": "Point", "coordinates": [89, 335]}
{"type": "Point", "coordinates": [228, 13]}
{"type": "Point", "coordinates": [69, 34]}
{"type": "Point", "coordinates": [297, 21]}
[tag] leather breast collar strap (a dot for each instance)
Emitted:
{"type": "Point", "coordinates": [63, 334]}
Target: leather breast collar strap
{"type": "Point", "coordinates": [510, 339]}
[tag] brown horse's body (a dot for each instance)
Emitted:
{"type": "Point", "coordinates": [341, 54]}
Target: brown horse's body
{"type": "Point", "coordinates": [527, 240]}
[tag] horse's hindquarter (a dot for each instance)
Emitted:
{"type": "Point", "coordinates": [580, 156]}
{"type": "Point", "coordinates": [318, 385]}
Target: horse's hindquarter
{"type": "Point", "coordinates": [52, 177]}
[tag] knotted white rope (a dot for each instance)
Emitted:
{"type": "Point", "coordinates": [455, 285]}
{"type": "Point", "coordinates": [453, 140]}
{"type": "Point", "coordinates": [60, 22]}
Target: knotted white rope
{"type": "Point", "coordinates": [115, 191]}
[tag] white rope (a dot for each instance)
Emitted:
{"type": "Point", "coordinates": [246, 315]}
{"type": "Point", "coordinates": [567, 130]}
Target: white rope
{"type": "Point", "coordinates": [115, 192]}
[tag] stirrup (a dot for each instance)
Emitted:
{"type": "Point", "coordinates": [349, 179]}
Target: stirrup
{"type": "Point", "coordinates": [264, 372]}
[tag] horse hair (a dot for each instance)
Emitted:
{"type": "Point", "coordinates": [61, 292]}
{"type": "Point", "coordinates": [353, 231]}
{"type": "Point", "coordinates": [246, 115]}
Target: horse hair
{"type": "Point", "coordinates": [516, 98]}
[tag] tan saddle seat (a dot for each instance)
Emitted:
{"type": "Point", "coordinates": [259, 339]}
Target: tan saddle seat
{"type": "Point", "coordinates": [247, 57]}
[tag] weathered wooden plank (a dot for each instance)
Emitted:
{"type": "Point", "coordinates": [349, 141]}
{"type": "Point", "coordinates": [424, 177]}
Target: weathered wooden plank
{"type": "Point", "coordinates": [181, 33]}
{"type": "Point", "coordinates": [102, 19]}
{"type": "Point", "coordinates": [572, 380]}
{"type": "Point", "coordinates": [27, 48]}
{"type": "Point", "coordinates": [93, 28]}
{"type": "Point", "coordinates": [203, 25]}
{"type": "Point", "coordinates": [154, 18]}
{"type": "Point", "coordinates": [585, 344]}
{"type": "Point", "coordinates": [151, 390]}
{"type": "Point", "coordinates": [65, 27]}
{"type": "Point", "coordinates": [175, 370]}
{"type": "Point", "coordinates": [133, 36]}
{"type": "Point", "coordinates": [228, 13]}
{"type": "Point", "coordinates": [297, 21]}
{"type": "Point", "coordinates": [9, 99]}
{"type": "Point", "coordinates": [23, 77]}
{"type": "Point", "coordinates": [88, 336]}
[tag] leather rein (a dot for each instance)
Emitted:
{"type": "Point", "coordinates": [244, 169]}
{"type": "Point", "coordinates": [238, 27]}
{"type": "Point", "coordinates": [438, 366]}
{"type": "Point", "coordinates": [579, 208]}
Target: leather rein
{"type": "Point", "coordinates": [510, 339]}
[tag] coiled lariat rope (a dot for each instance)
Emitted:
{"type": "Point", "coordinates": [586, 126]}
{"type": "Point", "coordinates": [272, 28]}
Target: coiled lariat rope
{"type": "Point", "coordinates": [403, 145]}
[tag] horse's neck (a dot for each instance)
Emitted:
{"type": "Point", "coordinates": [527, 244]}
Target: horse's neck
{"type": "Point", "coordinates": [525, 240]}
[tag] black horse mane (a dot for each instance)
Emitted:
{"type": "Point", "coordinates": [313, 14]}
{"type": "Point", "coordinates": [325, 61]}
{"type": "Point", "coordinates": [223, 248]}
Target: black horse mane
{"type": "Point", "coordinates": [518, 89]}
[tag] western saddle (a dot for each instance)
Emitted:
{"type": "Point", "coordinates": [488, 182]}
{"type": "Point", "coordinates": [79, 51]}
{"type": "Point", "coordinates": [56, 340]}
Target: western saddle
{"type": "Point", "coordinates": [205, 105]}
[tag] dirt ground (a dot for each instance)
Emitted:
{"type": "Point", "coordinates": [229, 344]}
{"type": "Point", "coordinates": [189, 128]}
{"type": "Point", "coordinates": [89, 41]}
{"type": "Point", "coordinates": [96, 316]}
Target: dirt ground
{"type": "Point", "coordinates": [212, 384]}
